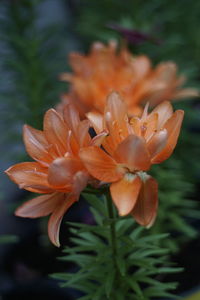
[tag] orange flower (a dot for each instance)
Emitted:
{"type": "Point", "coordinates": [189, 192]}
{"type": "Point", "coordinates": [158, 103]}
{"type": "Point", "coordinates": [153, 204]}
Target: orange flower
{"type": "Point", "coordinates": [131, 147]}
{"type": "Point", "coordinates": [105, 70]}
{"type": "Point", "coordinates": [57, 173]}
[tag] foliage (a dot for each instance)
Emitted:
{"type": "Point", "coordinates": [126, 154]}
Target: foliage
{"type": "Point", "coordinates": [177, 211]}
{"type": "Point", "coordinates": [131, 271]}
{"type": "Point", "coordinates": [31, 64]}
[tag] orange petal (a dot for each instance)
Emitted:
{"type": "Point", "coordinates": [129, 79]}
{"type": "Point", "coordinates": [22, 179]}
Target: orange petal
{"type": "Point", "coordinates": [173, 126]}
{"type": "Point", "coordinates": [62, 170]}
{"type": "Point", "coordinates": [96, 119]}
{"type": "Point", "coordinates": [83, 133]}
{"type": "Point", "coordinates": [134, 110]}
{"type": "Point", "coordinates": [99, 139]}
{"type": "Point", "coordinates": [71, 118]}
{"type": "Point", "coordinates": [116, 114]}
{"type": "Point", "coordinates": [30, 176]}
{"type": "Point", "coordinates": [77, 62]}
{"type": "Point", "coordinates": [56, 131]}
{"type": "Point", "coordinates": [150, 126]}
{"type": "Point", "coordinates": [157, 142]}
{"type": "Point", "coordinates": [72, 144]}
{"type": "Point", "coordinates": [56, 218]}
{"type": "Point", "coordinates": [166, 72]}
{"type": "Point", "coordinates": [146, 206]}
{"type": "Point", "coordinates": [141, 67]}
{"type": "Point", "coordinates": [100, 165]}
{"type": "Point", "coordinates": [36, 145]}
{"type": "Point", "coordinates": [135, 123]}
{"type": "Point", "coordinates": [38, 207]}
{"type": "Point", "coordinates": [133, 152]}
{"type": "Point", "coordinates": [80, 182]}
{"type": "Point", "coordinates": [125, 192]}
{"type": "Point", "coordinates": [165, 111]}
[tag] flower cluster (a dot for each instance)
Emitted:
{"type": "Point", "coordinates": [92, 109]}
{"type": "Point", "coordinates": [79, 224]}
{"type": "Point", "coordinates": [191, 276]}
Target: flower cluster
{"type": "Point", "coordinates": [128, 139]}
{"type": "Point", "coordinates": [58, 172]}
{"type": "Point", "coordinates": [105, 70]}
{"type": "Point", "coordinates": [129, 150]}
{"type": "Point", "coordinates": [67, 159]}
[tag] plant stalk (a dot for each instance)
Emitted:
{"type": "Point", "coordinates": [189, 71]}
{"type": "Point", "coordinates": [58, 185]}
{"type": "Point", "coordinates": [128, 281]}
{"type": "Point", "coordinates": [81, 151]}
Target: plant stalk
{"type": "Point", "coordinates": [113, 241]}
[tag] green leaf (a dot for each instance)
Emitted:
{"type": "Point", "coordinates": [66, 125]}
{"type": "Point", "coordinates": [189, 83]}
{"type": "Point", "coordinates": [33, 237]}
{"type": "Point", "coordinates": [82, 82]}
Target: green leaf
{"type": "Point", "coordinates": [136, 288]}
{"type": "Point", "coordinates": [109, 282]}
{"type": "Point", "coordinates": [121, 263]}
{"type": "Point", "coordinates": [95, 202]}
{"type": "Point", "coordinates": [97, 216]}
{"type": "Point", "coordinates": [166, 270]}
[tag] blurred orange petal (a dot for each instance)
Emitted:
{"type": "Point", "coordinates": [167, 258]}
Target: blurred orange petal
{"type": "Point", "coordinates": [125, 192]}
{"type": "Point", "coordinates": [173, 126]}
{"type": "Point", "coordinates": [145, 209]}
{"type": "Point", "coordinates": [187, 93]}
{"type": "Point", "coordinates": [100, 165]}
{"type": "Point", "coordinates": [141, 67]}
{"type": "Point", "coordinates": [106, 68]}
{"type": "Point", "coordinates": [166, 71]}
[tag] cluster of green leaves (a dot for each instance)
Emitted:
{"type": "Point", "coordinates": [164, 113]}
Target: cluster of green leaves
{"type": "Point", "coordinates": [31, 64]}
{"type": "Point", "coordinates": [133, 271]}
{"type": "Point", "coordinates": [177, 211]}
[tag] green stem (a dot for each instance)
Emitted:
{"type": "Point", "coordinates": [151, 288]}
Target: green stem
{"type": "Point", "coordinates": [113, 241]}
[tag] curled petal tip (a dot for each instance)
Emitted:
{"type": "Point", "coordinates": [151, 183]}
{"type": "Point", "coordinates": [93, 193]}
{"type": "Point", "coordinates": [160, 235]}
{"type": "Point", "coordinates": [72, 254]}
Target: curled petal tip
{"type": "Point", "coordinates": [151, 223]}
{"type": "Point", "coordinates": [57, 244]}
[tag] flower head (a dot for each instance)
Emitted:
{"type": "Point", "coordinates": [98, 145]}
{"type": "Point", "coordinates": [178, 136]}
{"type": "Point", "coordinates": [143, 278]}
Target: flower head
{"type": "Point", "coordinates": [105, 70]}
{"type": "Point", "coordinates": [128, 151]}
{"type": "Point", "coordinates": [57, 172]}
